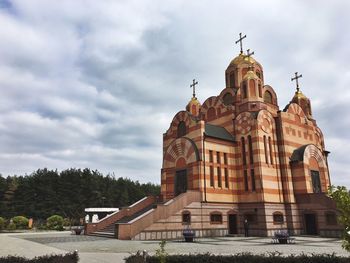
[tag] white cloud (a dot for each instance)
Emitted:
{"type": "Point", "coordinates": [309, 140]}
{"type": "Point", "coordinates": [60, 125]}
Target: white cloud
{"type": "Point", "coordinates": [96, 83]}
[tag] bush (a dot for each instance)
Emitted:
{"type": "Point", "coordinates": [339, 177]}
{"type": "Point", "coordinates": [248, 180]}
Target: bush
{"type": "Point", "coordinates": [68, 258]}
{"type": "Point", "coordinates": [2, 223]}
{"type": "Point", "coordinates": [66, 222]}
{"type": "Point", "coordinates": [55, 222]}
{"type": "Point", "coordinates": [241, 258]}
{"type": "Point", "coordinates": [21, 222]}
{"type": "Point", "coordinates": [11, 226]}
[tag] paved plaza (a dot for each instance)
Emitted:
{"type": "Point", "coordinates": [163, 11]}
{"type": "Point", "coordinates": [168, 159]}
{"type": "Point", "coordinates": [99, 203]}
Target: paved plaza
{"type": "Point", "coordinates": [98, 249]}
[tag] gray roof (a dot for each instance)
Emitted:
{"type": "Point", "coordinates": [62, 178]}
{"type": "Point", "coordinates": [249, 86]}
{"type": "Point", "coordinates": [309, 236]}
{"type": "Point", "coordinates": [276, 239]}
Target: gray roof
{"type": "Point", "coordinates": [298, 154]}
{"type": "Point", "coordinates": [218, 132]}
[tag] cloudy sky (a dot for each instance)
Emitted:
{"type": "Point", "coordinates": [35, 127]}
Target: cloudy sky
{"type": "Point", "coordinates": [96, 83]}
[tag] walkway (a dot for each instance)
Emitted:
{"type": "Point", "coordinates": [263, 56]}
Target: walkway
{"type": "Point", "coordinates": [104, 250]}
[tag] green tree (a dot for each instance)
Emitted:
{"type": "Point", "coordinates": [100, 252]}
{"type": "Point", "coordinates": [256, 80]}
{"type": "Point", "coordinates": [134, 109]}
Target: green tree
{"type": "Point", "coordinates": [341, 196]}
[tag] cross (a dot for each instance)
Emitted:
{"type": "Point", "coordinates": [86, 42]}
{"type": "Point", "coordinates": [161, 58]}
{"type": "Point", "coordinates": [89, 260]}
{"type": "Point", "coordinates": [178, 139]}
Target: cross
{"type": "Point", "coordinates": [296, 79]}
{"type": "Point", "coordinates": [240, 41]}
{"type": "Point", "coordinates": [193, 85]}
{"type": "Point", "coordinates": [249, 54]}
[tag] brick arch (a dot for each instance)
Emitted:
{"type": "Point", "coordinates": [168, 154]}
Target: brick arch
{"type": "Point", "coordinates": [294, 108]}
{"type": "Point", "coordinates": [180, 148]}
{"type": "Point", "coordinates": [312, 151]}
{"type": "Point", "coordinates": [272, 92]}
{"type": "Point", "coordinates": [180, 116]}
{"type": "Point", "coordinates": [225, 92]}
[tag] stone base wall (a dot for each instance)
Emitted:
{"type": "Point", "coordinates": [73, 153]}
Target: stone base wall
{"type": "Point", "coordinates": [262, 213]}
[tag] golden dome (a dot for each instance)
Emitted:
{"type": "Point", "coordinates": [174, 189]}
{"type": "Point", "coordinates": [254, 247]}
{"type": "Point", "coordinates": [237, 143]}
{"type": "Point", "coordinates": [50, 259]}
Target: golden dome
{"type": "Point", "coordinates": [195, 101]}
{"type": "Point", "coordinates": [250, 75]}
{"type": "Point", "coordinates": [193, 106]}
{"type": "Point", "coordinates": [299, 95]}
{"type": "Point", "coordinates": [241, 58]}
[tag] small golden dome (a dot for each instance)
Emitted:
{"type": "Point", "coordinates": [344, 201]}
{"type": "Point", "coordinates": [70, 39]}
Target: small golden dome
{"type": "Point", "coordinates": [193, 106]}
{"type": "Point", "coordinates": [250, 75]}
{"type": "Point", "coordinates": [195, 101]}
{"type": "Point", "coordinates": [299, 95]}
{"type": "Point", "coordinates": [241, 58]}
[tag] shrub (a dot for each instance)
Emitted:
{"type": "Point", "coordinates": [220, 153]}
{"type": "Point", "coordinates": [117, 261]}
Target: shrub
{"type": "Point", "coordinates": [21, 222]}
{"type": "Point", "coordinates": [55, 222]}
{"type": "Point", "coordinates": [67, 258]}
{"type": "Point", "coordinates": [66, 222]}
{"type": "Point", "coordinates": [241, 258]}
{"type": "Point", "coordinates": [2, 223]}
{"type": "Point", "coordinates": [11, 226]}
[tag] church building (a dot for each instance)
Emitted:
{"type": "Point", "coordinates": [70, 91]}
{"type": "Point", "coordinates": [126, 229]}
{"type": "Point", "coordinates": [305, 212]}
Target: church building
{"type": "Point", "coordinates": [234, 157]}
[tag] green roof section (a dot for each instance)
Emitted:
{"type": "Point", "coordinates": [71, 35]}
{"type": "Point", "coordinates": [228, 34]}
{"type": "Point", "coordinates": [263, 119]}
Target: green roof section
{"type": "Point", "coordinates": [218, 132]}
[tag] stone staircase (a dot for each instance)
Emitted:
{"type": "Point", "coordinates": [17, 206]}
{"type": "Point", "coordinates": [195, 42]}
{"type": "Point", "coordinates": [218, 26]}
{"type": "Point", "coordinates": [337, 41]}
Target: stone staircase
{"type": "Point", "coordinates": [106, 227]}
{"type": "Point", "coordinates": [131, 221]}
{"type": "Point", "coordinates": [109, 230]}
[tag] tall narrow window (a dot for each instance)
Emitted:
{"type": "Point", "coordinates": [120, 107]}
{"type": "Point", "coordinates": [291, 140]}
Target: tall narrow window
{"type": "Point", "coordinates": [243, 152]}
{"type": "Point", "coordinates": [212, 176]}
{"type": "Point", "coordinates": [252, 175]}
{"type": "Point", "coordinates": [265, 148]}
{"type": "Point", "coordinates": [250, 149]}
{"type": "Point", "coordinates": [245, 90]}
{"type": "Point", "coordinates": [271, 153]}
{"type": "Point", "coordinates": [211, 156]}
{"type": "Point", "coordinates": [217, 157]}
{"type": "Point", "coordinates": [267, 97]}
{"type": "Point", "coordinates": [260, 91]}
{"type": "Point", "coordinates": [181, 129]}
{"type": "Point", "coordinates": [246, 187]}
{"type": "Point", "coordinates": [225, 158]}
{"type": "Point", "coordinates": [226, 177]}
{"type": "Point", "coordinates": [316, 183]}
{"type": "Point", "coordinates": [219, 177]}
{"type": "Point", "coordinates": [232, 80]}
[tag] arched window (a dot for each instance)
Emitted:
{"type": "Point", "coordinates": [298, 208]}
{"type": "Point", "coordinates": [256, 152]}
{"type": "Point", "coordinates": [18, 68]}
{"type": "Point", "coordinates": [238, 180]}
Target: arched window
{"type": "Point", "coordinates": [245, 91]}
{"type": "Point", "coordinates": [271, 153]}
{"type": "Point", "coordinates": [232, 80]}
{"type": "Point", "coordinates": [278, 218]}
{"type": "Point", "coordinates": [215, 218]}
{"type": "Point", "coordinates": [186, 217]}
{"type": "Point", "coordinates": [211, 114]}
{"type": "Point", "coordinates": [228, 99]}
{"type": "Point", "coordinates": [268, 97]}
{"type": "Point", "coordinates": [260, 90]}
{"type": "Point", "coordinates": [181, 129]}
{"type": "Point", "coordinates": [246, 187]}
{"type": "Point", "coordinates": [251, 157]}
{"type": "Point", "coordinates": [252, 176]}
{"type": "Point", "coordinates": [265, 148]}
{"type": "Point", "coordinates": [258, 74]}
{"type": "Point", "coordinates": [243, 151]}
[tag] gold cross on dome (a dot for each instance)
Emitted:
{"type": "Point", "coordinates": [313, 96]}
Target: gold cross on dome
{"type": "Point", "coordinates": [240, 40]}
{"type": "Point", "coordinates": [296, 79]}
{"type": "Point", "coordinates": [249, 54]}
{"type": "Point", "coordinates": [193, 85]}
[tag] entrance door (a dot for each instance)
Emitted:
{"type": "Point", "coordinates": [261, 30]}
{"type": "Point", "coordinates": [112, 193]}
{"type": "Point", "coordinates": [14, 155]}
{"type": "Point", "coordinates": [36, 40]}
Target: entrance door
{"type": "Point", "coordinates": [232, 224]}
{"type": "Point", "coordinates": [180, 184]}
{"type": "Point", "coordinates": [310, 224]}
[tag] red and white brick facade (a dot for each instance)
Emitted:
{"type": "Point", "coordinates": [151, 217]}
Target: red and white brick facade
{"type": "Point", "coordinates": [248, 160]}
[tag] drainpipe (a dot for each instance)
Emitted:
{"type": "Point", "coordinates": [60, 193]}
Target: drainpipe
{"type": "Point", "coordinates": [205, 179]}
